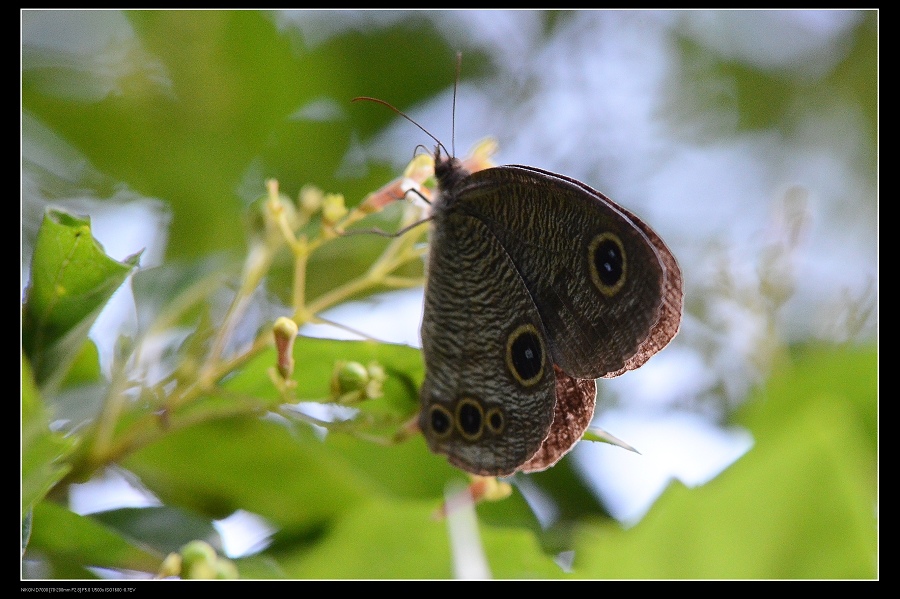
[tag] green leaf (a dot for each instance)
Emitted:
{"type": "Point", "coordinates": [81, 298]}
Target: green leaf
{"type": "Point", "coordinates": [288, 477]}
{"type": "Point", "coordinates": [85, 367]}
{"type": "Point", "coordinates": [801, 504]}
{"type": "Point", "coordinates": [813, 374]}
{"type": "Point", "coordinates": [400, 539]}
{"type": "Point", "coordinates": [26, 528]}
{"type": "Point", "coordinates": [601, 436]}
{"type": "Point", "coordinates": [72, 278]}
{"type": "Point", "coordinates": [376, 539]}
{"type": "Point", "coordinates": [43, 451]}
{"type": "Point", "coordinates": [65, 539]}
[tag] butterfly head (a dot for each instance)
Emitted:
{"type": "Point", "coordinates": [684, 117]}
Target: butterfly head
{"type": "Point", "coordinates": [449, 172]}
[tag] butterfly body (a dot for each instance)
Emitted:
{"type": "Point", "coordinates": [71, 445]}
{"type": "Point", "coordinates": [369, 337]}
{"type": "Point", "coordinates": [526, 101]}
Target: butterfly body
{"type": "Point", "coordinates": [537, 284]}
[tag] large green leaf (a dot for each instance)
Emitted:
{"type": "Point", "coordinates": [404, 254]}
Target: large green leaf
{"type": "Point", "coordinates": [402, 539]}
{"type": "Point", "coordinates": [287, 476]}
{"type": "Point", "coordinates": [815, 374]}
{"type": "Point", "coordinates": [800, 504]}
{"type": "Point", "coordinates": [72, 278]}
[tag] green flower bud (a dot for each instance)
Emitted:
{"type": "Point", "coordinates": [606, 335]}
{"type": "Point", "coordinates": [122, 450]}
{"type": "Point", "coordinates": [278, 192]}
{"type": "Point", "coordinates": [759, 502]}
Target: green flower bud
{"type": "Point", "coordinates": [171, 566]}
{"type": "Point", "coordinates": [348, 377]}
{"type": "Point", "coordinates": [198, 560]}
{"type": "Point", "coordinates": [225, 569]}
{"type": "Point", "coordinates": [352, 382]}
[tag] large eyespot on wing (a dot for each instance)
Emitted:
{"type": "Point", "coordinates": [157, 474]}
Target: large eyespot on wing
{"type": "Point", "coordinates": [669, 320]}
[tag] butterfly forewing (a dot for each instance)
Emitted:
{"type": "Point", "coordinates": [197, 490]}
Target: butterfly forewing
{"type": "Point", "coordinates": [596, 277]}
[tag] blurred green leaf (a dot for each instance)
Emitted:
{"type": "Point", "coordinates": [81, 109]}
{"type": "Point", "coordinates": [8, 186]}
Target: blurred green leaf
{"type": "Point", "coordinates": [217, 468]}
{"type": "Point", "coordinates": [800, 504]}
{"type": "Point", "coordinates": [72, 278]}
{"type": "Point", "coordinates": [812, 375]}
{"type": "Point", "coordinates": [85, 368]}
{"type": "Point", "coordinates": [64, 538]}
{"type": "Point", "coordinates": [377, 539]}
{"type": "Point", "coordinates": [199, 108]}
{"type": "Point", "coordinates": [43, 451]}
{"type": "Point", "coordinates": [401, 539]}
{"type": "Point", "coordinates": [165, 529]}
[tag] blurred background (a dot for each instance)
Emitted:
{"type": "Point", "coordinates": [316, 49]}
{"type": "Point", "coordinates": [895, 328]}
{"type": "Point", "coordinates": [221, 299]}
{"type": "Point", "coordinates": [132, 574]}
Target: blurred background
{"type": "Point", "coordinates": [746, 139]}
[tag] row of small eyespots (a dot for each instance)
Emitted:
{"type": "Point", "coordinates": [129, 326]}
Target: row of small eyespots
{"type": "Point", "coordinates": [525, 361]}
{"type": "Point", "coordinates": [469, 419]}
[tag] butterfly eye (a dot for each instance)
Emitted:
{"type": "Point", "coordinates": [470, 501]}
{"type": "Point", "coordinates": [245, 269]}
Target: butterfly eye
{"type": "Point", "coordinates": [470, 418]}
{"type": "Point", "coordinates": [441, 420]}
{"type": "Point", "coordinates": [606, 259]}
{"type": "Point", "coordinates": [525, 355]}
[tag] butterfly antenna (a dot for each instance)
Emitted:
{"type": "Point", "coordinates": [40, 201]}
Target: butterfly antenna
{"type": "Point", "coordinates": [403, 114]}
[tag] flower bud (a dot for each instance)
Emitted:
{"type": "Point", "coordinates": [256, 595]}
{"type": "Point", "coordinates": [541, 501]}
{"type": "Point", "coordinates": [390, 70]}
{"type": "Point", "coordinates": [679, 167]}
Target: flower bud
{"type": "Point", "coordinates": [310, 199]}
{"type": "Point", "coordinates": [333, 209]}
{"type": "Point", "coordinates": [348, 377]}
{"type": "Point", "coordinates": [198, 560]}
{"type": "Point", "coordinates": [285, 331]}
{"type": "Point", "coordinates": [352, 382]}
